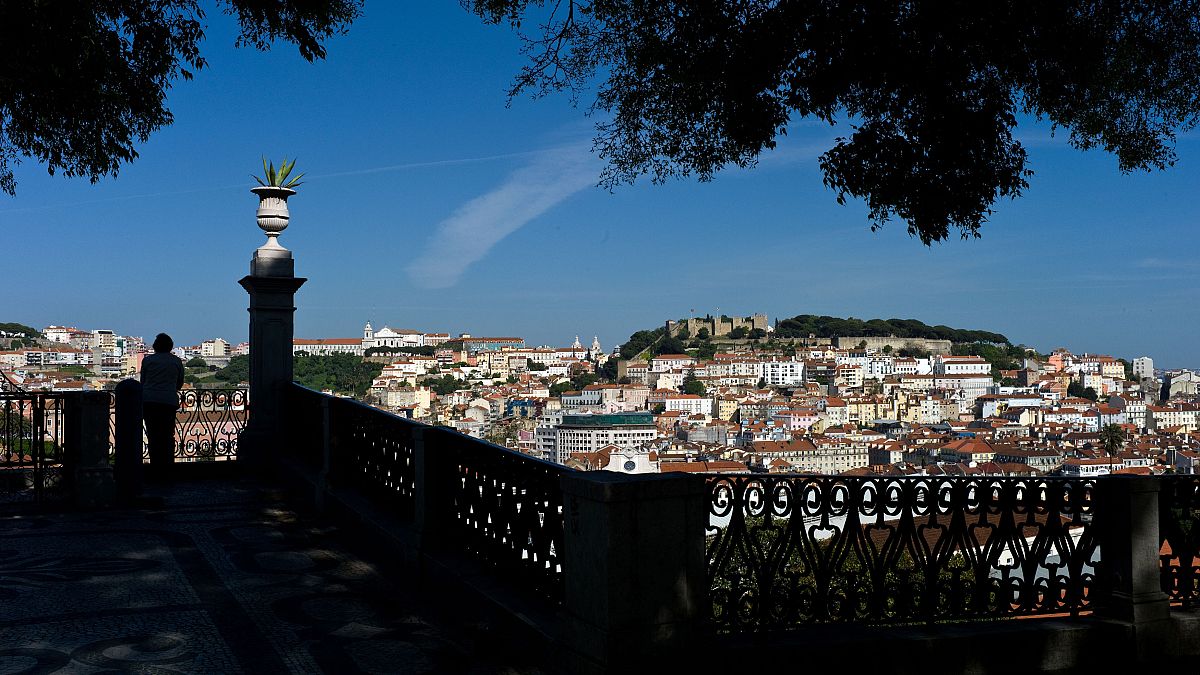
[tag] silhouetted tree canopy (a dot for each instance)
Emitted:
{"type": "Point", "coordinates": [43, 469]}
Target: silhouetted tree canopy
{"type": "Point", "coordinates": [932, 90]}
{"type": "Point", "coordinates": [82, 82]}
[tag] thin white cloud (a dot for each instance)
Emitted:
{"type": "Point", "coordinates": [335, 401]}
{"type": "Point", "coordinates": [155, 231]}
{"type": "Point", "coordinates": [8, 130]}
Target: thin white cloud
{"type": "Point", "coordinates": [1166, 264]}
{"type": "Point", "coordinates": [470, 232]}
{"type": "Point", "coordinates": [244, 184]}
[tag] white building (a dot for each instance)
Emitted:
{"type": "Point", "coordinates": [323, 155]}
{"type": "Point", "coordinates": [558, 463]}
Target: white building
{"type": "Point", "coordinates": [1143, 368]}
{"type": "Point", "coordinates": [327, 346]}
{"type": "Point", "coordinates": [961, 365]}
{"type": "Point", "coordinates": [667, 362]}
{"type": "Point", "coordinates": [590, 433]}
{"type": "Point", "coordinates": [391, 337]}
{"type": "Point", "coordinates": [215, 347]}
{"type": "Point", "coordinates": [783, 373]}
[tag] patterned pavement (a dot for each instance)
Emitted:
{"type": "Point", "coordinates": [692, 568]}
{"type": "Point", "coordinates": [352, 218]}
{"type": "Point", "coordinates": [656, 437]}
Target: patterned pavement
{"type": "Point", "coordinates": [222, 578]}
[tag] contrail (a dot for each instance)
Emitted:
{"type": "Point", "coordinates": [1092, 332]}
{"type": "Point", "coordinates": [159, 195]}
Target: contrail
{"type": "Point", "coordinates": [474, 228]}
{"type": "Point", "coordinates": [234, 186]}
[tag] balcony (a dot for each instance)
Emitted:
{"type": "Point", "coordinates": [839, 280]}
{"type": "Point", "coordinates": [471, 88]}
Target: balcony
{"type": "Point", "coordinates": [588, 571]}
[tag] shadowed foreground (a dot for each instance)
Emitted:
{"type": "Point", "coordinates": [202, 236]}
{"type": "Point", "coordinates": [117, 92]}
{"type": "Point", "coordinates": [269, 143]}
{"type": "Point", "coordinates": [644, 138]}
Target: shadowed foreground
{"type": "Point", "coordinates": [223, 578]}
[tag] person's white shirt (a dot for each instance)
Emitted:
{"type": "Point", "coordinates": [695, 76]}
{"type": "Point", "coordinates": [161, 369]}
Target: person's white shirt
{"type": "Point", "coordinates": [162, 378]}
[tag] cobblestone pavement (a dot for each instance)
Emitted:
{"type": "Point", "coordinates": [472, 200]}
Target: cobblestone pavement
{"type": "Point", "coordinates": [222, 578]}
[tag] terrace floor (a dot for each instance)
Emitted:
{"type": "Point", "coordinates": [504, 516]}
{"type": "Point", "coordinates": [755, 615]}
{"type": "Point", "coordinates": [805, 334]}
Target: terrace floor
{"type": "Point", "coordinates": [222, 577]}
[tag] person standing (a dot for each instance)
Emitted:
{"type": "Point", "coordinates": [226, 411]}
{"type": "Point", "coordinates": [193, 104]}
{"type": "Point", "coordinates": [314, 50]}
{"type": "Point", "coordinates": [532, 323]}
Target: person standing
{"type": "Point", "coordinates": [162, 378]}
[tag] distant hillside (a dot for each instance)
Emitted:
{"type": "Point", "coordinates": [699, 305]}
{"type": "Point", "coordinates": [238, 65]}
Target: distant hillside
{"type": "Point", "coordinates": [19, 330]}
{"type": "Point", "coordinates": [804, 325]}
{"type": "Point", "coordinates": [15, 335]}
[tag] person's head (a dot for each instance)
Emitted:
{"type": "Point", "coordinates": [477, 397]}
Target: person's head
{"type": "Point", "coordinates": [163, 343]}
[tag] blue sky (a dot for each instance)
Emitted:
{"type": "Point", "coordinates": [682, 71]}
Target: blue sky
{"type": "Point", "coordinates": [429, 204]}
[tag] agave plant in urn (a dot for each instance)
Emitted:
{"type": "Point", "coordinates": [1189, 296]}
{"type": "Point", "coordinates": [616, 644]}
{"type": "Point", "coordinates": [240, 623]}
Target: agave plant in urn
{"type": "Point", "coordinates": [273, 191]}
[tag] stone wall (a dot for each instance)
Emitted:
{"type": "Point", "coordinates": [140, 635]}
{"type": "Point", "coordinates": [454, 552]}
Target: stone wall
{"type": "Point", "coordinates": [718, 326]}
{"type": "Point", "coordinates": [896, 343]}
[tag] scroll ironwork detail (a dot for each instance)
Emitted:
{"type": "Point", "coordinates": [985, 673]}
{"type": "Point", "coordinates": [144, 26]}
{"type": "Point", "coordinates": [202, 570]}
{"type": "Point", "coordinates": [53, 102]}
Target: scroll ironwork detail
{"type": "Point", "coordinates": [793, 550]}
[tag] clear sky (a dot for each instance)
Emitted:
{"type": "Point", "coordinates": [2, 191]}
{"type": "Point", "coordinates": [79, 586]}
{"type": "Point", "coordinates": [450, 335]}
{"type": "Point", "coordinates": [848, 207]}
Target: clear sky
{"type": "Point", "coordinates": [431, 205]}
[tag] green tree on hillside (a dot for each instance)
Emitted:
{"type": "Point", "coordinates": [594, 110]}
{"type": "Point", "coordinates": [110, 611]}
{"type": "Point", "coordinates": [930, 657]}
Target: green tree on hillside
{"type": "Point", "coordinates": [639, 341]}
{"type": "Point", "coordinates": [446, 384]}
{"type": "Point", "coordinates": [342, 373]}
{"type": "Point", "coordinates": [238, 370]}
{"type": "Point", "coordinates": [803, 325]}
{"type": "Point", "coordinates": [669, 345]}
{"type": "Point", "coordinates": [692, 385]}
{"type": "Point", "coordinates": [1112, 437]}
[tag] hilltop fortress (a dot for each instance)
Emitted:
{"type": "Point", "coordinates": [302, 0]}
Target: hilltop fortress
{"type": "Point", "coordinates": [718, 326]}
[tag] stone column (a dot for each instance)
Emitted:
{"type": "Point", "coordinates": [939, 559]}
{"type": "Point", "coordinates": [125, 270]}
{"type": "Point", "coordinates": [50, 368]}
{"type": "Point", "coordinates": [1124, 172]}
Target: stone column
{"type": "Point", "coordinates": [127, 439]}
{"type": "Point", "coordinates": [86, 439]}
{"type": "Point", "coordinates": [1127, 507]}
{"type": "Point", "coordinates": [634, 558]}
{"type": "Point", "coordinates": [272, 286]}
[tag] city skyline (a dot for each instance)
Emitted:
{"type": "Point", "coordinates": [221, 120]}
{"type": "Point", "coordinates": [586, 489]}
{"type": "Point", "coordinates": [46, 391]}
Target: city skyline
{"type": "Point", "coordinates": [430, 205]}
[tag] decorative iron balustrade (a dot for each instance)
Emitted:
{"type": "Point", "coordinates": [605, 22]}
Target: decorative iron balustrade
{"type": "Point", "coordinates": [32, 428]}
{"type": "Point", "coordinates": [207, 424]}
{"type": "Point", "coordinates": [506, 510]}
{"type": "Point", "coordinates": [792, 550]}
{"type": "Point", "coordinates": [1179, 530]}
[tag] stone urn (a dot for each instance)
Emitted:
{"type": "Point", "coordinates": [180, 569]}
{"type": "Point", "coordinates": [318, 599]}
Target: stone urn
{"type": "Point", "coordinates": [272, 212]}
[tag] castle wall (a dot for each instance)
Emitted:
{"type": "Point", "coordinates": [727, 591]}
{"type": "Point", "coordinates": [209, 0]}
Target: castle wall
{"type": "Point", "coordinates": [934, 347]}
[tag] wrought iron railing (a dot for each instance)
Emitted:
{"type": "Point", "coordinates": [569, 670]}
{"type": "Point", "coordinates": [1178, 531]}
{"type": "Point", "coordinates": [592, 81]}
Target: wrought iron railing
{"type": "Point", "coordinates": [1179, 530]}
{"type": "Point", "coordinates": [32, 428]}
{"type": "Point", "coordinates": [791, 550]}
{"type": "Point", "coordinates": [499, 507]}
{"type": "Point", "coordinates": [207, 424]}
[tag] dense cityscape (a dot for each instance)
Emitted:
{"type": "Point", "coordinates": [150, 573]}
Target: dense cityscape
{"type": "Point", "coordinates": [718, 394]}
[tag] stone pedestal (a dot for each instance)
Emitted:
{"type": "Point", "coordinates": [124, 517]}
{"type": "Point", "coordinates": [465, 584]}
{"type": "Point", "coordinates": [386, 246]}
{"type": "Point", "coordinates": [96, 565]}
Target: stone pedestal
{"type": "Point", "coordinates": [272, 305]}
{"type": "Point", "coordinates": [1129, 528]}
{"type": "Point", "coordinates": [635, 569]}
{"type": "Point", "coordinates": [91, 476]}
{"type": "Point", "coordinates": [127, 439]}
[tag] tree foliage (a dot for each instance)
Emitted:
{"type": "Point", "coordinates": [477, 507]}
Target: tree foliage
{"type": "Point", "coordinates": [803, 325]}
{"type": "Point", "coordinates": [1077, 390]}
{"type": "Point", "coordinates": [692, 385]}
{"type": "Point", "coordinates": [82, 83]}
{"type": "Point", "coordinates": [1112, 437]}
{"type": "Point", "coordinates": [1002, 357]}
{"type": "Point", "coordinates": [342, 373]}
{"type": "Point", "coordinates": [446, 384]}
{"type": "Point", "coordinates": [639, 341]}
{"type": "Point", "coordinates": [669, 345]}
{"type": "Point", "coordinates": [933, 91]}
{"type": "Point", "coordinates": [19, 329]}
{"type": "Point", "coordinates": [237, 370]}
{"type": "Point", "coordinates": [607, 371]}
{"type": "Point", "coordinates": [424, 350]}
